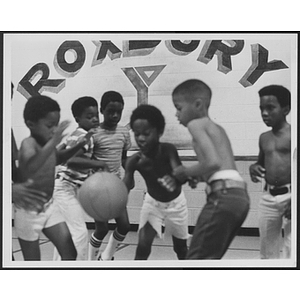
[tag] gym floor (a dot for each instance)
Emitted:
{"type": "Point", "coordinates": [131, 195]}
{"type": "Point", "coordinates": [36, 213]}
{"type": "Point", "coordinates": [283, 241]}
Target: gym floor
{"type": "Point", "coordinates": [242, 247]}
{"type": "Point", "coordinates": [243, 252]}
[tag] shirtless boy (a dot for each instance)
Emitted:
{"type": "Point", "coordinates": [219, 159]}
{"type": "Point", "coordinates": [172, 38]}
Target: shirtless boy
{"type": "Point", "coordinates": [274, 165]}
{"type": "Point", "coordinates": [227, 198]}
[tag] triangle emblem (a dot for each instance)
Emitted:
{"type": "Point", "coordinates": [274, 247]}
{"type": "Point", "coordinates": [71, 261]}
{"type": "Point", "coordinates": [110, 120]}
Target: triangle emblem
{"type": "Point", "coordinates": [149, 73]}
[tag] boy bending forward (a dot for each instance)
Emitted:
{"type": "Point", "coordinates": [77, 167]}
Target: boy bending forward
{"type": "Point", "coordinates": [227, 198]}
{"type": "Point", "coordinates": [164, 201]}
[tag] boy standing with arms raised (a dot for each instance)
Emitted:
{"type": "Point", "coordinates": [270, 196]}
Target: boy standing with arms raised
{"type": "Point", "coordinates": [274, 165]}
{"type": "Point", "coordinates": [227, 198]}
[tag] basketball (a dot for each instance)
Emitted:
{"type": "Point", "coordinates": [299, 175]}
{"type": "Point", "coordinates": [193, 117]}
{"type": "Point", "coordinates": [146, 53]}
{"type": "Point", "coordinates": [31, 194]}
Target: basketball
{"type": "Point", "coordinates": [103, 196]}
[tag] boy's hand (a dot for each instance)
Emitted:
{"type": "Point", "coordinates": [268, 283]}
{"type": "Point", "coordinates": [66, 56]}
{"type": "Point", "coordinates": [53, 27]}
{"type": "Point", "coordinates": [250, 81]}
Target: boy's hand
{"type": "Point", "coordinates": [168, 182]}
{"type": "Point", "coordinates": [85, 139]}
{"type": "Point", "coordinates": [24, 196]}
{"type": "Point", "coordinates": [257, 172]}
{"type": "Point", "coordinates": [58, 133]}
{"type": "Point", "coordinates": [193, 181]}
{"type": "Point", "coordinates": [103, 169]}
{"type": "Point", "coordinates": [180, 174]}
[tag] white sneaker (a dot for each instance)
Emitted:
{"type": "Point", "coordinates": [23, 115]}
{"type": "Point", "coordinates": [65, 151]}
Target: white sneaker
{"type": "Point", "coordinates": [93, 252]}
{"type": "Point", "coordinates": [100, 258]}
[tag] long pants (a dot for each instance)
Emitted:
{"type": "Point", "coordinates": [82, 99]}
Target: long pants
{"type": "Point", "coordinates": [271, 223]}
{"type": "Point", "coordinates": [218, 223]}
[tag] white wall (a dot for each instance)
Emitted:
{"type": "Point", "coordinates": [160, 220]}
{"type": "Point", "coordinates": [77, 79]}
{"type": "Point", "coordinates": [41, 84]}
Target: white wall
{"type": "Point", "coordinates": [234, 105]}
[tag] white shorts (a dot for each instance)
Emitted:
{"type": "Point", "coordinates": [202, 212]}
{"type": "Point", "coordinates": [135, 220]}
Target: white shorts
{"type": "Point", "coordinates": [173, 214]}
{"type": "Point", "coordinates": [29, 224]}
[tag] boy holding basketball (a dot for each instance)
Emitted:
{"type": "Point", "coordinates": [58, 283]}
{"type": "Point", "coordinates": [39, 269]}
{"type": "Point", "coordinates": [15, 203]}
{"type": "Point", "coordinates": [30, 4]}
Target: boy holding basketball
{"type": "Point", "coordinates": [227, 198]}
{"type": "Point", "coordinates": [274, 165]}
{"type": "Point", "coordinates": [72, 174]}
{"type": "Point", "coordinates": [37, 160]}
{"type": "Point", "coordinates": [164, 201]}
{"type": "Point", "coordinates": [111, 142]}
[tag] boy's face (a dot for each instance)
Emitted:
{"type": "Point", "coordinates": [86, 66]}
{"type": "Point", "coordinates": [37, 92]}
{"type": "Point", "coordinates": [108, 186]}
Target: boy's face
{"type": "Point", "coordinates": [112, 113]}
{"type": "Point", "coordinates": [44, 128]}
{"type": "Point", "coordinates": [146, 136]}
{"type": "Point", "coordinates": [185, 110]}
{"type": "Point", "coordinates": [89, 118]}
{"type": "Point", "coordinates": [271, 111]}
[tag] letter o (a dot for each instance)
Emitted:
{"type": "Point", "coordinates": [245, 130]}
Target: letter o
{"type": "Point", "coordinates": [62, 66]}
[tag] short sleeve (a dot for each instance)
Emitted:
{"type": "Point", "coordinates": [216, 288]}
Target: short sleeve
{"type": "Point", "coordinates": [127, 143]}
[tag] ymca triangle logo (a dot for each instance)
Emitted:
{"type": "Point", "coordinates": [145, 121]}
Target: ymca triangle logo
{"type": "Point", "coordinates": [149, 73]}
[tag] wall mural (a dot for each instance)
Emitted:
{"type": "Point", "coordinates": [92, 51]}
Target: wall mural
{"type": "Point", "coordinates": [139, 76]}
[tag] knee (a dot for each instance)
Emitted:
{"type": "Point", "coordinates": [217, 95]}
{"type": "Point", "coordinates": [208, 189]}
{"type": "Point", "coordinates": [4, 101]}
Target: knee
{"type": "Point", "coordinates": [101, 230]}
{"type": "Point", "coordinates": [123, 228]}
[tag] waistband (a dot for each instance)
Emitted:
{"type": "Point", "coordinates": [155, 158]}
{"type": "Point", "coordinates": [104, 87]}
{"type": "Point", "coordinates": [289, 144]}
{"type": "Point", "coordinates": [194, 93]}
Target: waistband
{"type": "Point", "coordinates": [76, 183]}
{"type": "Point", "coordinates": [224, 184]}
{"type": "Point", "coordinates": [278, 190]}
{"type": "Point", "coordinates": [165, 205]}
{"type": "Point", "coordinates": [225, 174]}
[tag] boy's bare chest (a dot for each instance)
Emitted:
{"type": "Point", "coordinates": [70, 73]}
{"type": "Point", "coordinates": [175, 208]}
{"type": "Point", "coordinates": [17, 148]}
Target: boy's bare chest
{"type": "Point", "coordinates": [158, 165]}
{"type": "Point", "coordinates": [273, 144]}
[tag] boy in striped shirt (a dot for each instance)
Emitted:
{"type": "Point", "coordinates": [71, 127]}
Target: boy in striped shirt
{"type": "Point", "coordinates": [72, 174]}
{"type": "Point", "coordinates": [111, 142]}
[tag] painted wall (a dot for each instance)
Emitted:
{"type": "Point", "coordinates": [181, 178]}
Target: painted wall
{"type": "Point", "coordinates": [145, 69]}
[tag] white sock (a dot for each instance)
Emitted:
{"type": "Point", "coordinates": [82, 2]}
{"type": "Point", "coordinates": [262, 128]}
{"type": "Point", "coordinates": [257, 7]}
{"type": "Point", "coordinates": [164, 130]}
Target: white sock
{"type": "Point", "coordinates": [113, 242]}
{"type": "Point", "coordinates": [94, 246]}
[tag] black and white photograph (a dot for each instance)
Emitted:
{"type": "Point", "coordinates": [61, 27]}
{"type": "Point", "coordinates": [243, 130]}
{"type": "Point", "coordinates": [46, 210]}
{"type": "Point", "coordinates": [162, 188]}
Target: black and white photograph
{"type": "Point", "coordinates": [149, 150]}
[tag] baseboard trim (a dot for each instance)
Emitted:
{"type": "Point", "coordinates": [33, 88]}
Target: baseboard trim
{"type": "Point", "coordinates": [244, 231]}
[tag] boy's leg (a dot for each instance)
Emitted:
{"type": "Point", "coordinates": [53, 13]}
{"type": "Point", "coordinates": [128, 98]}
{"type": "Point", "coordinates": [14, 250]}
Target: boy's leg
{"type": "Point", "coordinates": [30, 249]}
{"type": "Point", "coordinates": [60, 236]}
{"type": "Point", "coordinates": [287, 238]}
{"type": "Point", "coordinates": [65, 197]}
{"type": "Point", "coordinates": [176, 221]}
{"type": "Point", "coordinates": [118, 236]}
{"type": "Point", "coordinates": [218, 223]}
{"type": "Point", "coordinates": [286, 227]}
{"type": "Point", "coordinates": [146, 237]}
{"type": "Point", "coordinates": [270, 224]}
{"type": "Point", "coordinates": [180, 247]}
{"type": "Point", "coordinates": [28, 226]}
{"type": "Point", "coordinates": [101, 230]}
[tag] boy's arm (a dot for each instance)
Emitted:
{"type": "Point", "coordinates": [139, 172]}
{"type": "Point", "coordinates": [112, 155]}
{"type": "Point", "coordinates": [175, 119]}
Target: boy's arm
{"type": "Point", "coordinates": [257, 170]}
{"type": "Point", "coordinates": [86, 163]}
{"type": "Point", "coordinates": [63, 154]}
{"type": "Point", "coordinates": [174, 157]}
{"type": "Point", "coordinates": [208, 159]}
{"type": "Point", "coordinates": [130, 168]}
{"type": "Point", "coordinates": [175, 163]}
{"type": "Point", "coordinates": [124, 158]}
{"type": "Point", "coordinates": [32, 159]}
{"type": "Point", "coordinates": [26, 197]}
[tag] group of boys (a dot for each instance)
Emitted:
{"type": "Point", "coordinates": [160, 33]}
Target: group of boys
{"type": "Point", "coordinates": [46, 198]}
